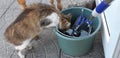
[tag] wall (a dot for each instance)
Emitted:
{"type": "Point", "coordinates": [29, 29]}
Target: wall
{"type": "Point", "coordinates": [110, 28]}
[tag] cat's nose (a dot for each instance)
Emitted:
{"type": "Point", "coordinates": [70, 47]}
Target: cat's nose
{"type": "Point", "coordinates": [45, 22]}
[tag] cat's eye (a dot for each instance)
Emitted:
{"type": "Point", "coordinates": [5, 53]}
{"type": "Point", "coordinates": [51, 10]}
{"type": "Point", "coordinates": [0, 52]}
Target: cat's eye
{"type": "Point", "coordinates": [45, 22]}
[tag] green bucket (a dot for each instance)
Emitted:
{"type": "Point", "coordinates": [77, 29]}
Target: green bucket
{"type": "Point", "coordinates": [77, 46]}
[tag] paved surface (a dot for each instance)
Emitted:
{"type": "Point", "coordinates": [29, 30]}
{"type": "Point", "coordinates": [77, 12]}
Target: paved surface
{"type": "Point", "coordinates": [47, 46]}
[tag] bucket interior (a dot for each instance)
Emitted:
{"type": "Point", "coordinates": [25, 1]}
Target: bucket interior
{"type": "Point", "coordinates": [76, 11]}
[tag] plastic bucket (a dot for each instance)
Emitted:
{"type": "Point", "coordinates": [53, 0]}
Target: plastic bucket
{"type": "Point", "coordinates": [77, 46]}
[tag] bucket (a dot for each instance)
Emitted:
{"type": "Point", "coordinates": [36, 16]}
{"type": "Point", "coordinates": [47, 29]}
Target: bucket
{"type": "Point", "coordinates": [77, 46]}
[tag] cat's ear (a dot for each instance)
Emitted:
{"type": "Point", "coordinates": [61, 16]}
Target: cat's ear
{"type": "Point", "coordinates": [66, 15]}
{"type": "Point", "coordinates": [22, 4]}
{"type": "Point", "coordinates": [69, 15]}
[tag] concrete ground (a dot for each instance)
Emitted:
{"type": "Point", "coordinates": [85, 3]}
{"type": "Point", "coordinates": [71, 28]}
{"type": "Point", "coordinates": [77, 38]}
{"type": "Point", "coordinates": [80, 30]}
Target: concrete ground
{"type": "Point", "coordinates": [47, 46]}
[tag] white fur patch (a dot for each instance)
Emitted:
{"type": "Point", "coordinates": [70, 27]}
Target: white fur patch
{"type": "Point", "coordinates": [21, 55]}
{"type": "Point", "coordinates": [68, 25]}
{"type": "Point", "coordinates": [24, 45]}
{"type": "Point", "coordinates": [54, 19]}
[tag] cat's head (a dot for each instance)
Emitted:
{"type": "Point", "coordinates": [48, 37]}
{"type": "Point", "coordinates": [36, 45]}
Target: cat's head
{"type": "Point", "coordinates": [51, 17]}
{"type": "Point", "coordinates": [48, 15]}
{"type": "Point", "coordinates": [65, 21]}
{"type": "Point", "coordinates": [54, 20]}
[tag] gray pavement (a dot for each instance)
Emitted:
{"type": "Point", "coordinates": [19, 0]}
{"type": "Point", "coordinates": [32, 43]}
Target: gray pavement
{"type": "Point", "coordinates": [47, 46]}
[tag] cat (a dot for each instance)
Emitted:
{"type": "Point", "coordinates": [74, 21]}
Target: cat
{"type": "Point", "coordinates": [30, 22]}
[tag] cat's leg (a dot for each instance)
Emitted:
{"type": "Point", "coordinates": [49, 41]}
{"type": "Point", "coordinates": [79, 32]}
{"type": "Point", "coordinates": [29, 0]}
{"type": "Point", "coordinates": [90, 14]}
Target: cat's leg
{"type": "Point", "coordinates": [20, 54]}
{"type": "Point", "coordinates": [30, 45]}
{"type": "Point", "coordinates": [21, 48]}
{"type": "Point", "coordinates": [22, 4]}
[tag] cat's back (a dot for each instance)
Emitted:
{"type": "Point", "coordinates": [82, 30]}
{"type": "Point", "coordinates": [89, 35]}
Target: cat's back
{"type": "Point", "coordinates": [19, 30]}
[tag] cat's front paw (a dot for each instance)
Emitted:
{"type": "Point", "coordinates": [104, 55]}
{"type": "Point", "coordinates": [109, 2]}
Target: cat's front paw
{"type": "Point", "coordinates": [30, 47]}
